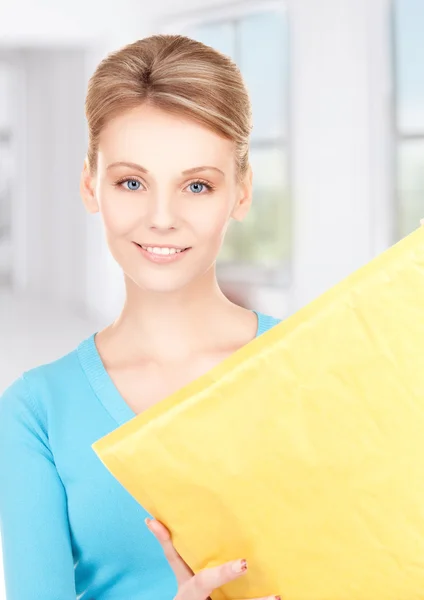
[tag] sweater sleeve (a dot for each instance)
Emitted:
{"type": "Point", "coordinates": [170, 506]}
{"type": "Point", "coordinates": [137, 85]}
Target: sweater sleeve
{"type": "Point", "coordinates": [36, 542]}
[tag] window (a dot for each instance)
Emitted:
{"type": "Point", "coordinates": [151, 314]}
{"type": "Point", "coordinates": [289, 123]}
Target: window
{"type": "Point", "coordinates": [408, 27]}
{"type": "Point", "coordinates": [258, 249]}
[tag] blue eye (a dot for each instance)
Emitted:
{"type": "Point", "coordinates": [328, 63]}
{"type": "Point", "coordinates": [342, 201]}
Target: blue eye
{"type": "Point", "coordinates": [133, 189]}
{"type": "Point", "coordinates": [198, 184]}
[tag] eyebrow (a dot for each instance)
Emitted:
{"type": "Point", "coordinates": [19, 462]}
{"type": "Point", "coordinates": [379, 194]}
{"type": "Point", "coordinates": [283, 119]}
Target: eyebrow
{"type": "Point", "coordinates": [140, 168]}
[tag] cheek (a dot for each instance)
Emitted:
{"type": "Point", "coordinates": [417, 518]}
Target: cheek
{"type": "Point", "coordinates": [119, 215]}
{"type": "Point", "coordinates": [211, 222]}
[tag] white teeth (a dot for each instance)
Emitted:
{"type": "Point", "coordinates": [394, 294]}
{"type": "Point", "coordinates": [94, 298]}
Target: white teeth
{"type": "Point", "coordinates": [164, 251]}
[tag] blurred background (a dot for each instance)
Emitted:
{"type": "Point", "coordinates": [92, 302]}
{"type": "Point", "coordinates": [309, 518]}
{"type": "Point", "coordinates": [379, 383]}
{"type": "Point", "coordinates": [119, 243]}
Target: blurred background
{"type": "Point", "coordinates": [337, 152]}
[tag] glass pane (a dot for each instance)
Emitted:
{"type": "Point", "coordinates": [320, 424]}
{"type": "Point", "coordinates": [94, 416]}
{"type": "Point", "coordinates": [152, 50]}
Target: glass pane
{"type": "Point", "coordinates": [410, 186]}
{"type": "Point", "coordinates": [263, 238]}
{"type": "Point", "coordinates": [263, 61]}
{"type": "Point", "coordinates": [220, 36]}
{"type": "Point", "coordinates": [409, 28]}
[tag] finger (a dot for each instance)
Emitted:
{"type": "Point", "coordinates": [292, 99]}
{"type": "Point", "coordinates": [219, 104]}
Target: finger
{"type": "Point", "coordinates": [205, 582]}
{"type": "Point", "coordinates": [422, 222]}
{"type": "Point", "coordinates": [181, 570]}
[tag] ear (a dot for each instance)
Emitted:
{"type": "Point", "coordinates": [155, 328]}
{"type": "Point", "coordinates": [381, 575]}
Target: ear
{"type": "Point", "coordinates": [244, 199]}
{"type": "Point", "coordinates": [87, 189]}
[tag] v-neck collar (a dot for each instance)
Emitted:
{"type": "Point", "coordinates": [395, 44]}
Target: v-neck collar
{"type": "Point", "coordinates": [102, 383]}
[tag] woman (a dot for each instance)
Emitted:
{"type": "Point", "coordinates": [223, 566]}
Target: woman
{"type": "Point", "coordinates": [167, 168]}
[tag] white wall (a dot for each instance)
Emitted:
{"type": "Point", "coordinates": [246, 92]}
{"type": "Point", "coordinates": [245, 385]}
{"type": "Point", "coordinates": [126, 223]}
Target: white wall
{"type": "Point", "coordinates": [340, 102]}
{"type": "Point", "coordinates": [33, 23]}
{"type": "Point", "coordinates": [6, 80]}
{"type": "Point", "coordinates": [49, 244]}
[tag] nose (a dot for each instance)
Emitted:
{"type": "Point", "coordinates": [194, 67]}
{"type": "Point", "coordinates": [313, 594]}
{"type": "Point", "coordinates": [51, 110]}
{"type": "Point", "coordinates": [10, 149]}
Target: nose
{"type": "Point", "coordinates": [162, 212]}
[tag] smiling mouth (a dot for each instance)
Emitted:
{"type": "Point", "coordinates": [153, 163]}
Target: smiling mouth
{"type": "Point", "coordinates": [163, 250]}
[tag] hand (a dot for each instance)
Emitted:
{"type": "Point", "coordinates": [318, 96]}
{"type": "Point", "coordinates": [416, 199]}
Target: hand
{"type": "Point", "coordinates": [200, 586]}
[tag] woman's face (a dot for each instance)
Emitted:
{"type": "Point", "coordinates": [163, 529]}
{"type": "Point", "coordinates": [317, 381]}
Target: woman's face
{"type": "Point", "coordinates": [164, 219]}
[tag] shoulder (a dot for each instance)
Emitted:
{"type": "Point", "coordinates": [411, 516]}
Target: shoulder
{"type": "Point", "coordinates": [21, 417]}
{"type": "Point", "coordinates": [27, 397]}
{"type": "Point", "coordinates": [266, 322]}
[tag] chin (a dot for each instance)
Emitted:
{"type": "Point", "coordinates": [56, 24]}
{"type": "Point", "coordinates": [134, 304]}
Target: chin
{"type": "Point", "coordinates": [170, 278]}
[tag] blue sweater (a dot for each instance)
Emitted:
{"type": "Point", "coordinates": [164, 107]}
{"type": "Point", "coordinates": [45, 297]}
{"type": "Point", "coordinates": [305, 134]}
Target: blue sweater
{"type": "Point", "coordinates": [69, 530]}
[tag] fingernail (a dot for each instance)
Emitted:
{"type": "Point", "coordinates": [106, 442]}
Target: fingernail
{"type": "Point", "coordinates": [240, 566]}
{"type": "Point", "coordinates": [147, 521]}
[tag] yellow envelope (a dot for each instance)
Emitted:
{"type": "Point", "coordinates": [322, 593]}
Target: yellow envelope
{"type": "Point", "coordinates": [303, 452]}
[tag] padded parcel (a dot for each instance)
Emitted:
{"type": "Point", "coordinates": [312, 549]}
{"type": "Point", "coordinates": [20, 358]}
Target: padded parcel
{"type": "Point", "coordinates": [304, 450]}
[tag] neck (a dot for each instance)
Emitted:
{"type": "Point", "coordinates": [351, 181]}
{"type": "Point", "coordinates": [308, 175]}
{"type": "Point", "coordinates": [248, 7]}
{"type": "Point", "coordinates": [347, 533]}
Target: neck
{"type": "Point", "coordinates": [176, 324]}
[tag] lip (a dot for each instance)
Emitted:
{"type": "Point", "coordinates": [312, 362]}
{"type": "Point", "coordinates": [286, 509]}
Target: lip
{"type": "Point", "coordinates": [162, 258]}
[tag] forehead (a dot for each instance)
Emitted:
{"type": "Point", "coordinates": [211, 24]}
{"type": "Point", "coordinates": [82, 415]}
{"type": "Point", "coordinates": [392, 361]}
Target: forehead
{"type": "Point", "coordinates": [156, 139]}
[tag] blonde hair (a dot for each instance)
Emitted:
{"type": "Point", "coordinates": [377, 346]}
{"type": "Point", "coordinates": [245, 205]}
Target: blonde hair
{"type": "Point", "coordinates": [179, 75]}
